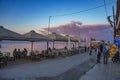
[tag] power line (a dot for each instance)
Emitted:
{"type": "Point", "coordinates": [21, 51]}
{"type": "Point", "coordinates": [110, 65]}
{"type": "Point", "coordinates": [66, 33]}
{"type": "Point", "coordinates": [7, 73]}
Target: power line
{"type": "Point", "coordinates": [85, 10]}
{"type": "Point", "coordinates": [105, 8]}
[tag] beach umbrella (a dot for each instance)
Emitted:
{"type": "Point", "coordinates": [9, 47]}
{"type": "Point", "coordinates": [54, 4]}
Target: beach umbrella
{"type": "Point", "coordinates": [57, 37]}
{"type": "Point", "coordinates": [74, 39]}
{"type": "Point", "coordinates": [6, 34]}
{"type": "Point", "coordinates": [71, 40]}
{"type": "Point", "coordinates": [32, 36]}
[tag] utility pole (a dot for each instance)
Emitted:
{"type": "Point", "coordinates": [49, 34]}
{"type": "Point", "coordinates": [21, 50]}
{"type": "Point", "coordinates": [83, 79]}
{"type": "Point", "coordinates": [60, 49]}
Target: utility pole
{"type": "Point", "coordinates": [114, 26]}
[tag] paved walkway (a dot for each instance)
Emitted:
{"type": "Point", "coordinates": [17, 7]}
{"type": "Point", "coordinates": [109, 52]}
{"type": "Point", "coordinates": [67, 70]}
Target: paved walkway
{"type": "Point", "coordinates": [47, 68]}
{"type": "Point", "coordinates": [63, 68]}
{"type": "Point", "coordinates": [110, 71]}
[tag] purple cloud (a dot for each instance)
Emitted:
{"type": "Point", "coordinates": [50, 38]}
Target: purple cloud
{"type": "Point", "coordinates": [98, 31]}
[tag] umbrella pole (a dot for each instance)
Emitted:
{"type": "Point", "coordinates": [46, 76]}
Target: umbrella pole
{"type": "Point", "coordinates": [69, 43]}
{"type": "Point", "coordinates": [31, 46]}
{"type": "Point", "coordinates": [53, 44]}
{"type": "Point", "coordinates": [75, 44]}
{"type": "Point", "coordinates": [47, 46]}
{"type": "Point", "coordinates": [0, 43]}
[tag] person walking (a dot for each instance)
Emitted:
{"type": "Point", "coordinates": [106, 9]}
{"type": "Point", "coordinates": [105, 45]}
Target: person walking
{"type": "Point", "coordinates": [105, 53]}
{"type": "Point", "coordinates": [101, 47]}
{"type": "Point", "coordinates": [117, 53]}
{"type": "Point", "coordinates": [90, 53]}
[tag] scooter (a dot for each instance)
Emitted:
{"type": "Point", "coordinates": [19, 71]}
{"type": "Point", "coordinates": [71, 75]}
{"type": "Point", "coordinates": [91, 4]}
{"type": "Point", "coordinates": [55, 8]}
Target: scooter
{"type": "Point", "coordinates": [116, 58]}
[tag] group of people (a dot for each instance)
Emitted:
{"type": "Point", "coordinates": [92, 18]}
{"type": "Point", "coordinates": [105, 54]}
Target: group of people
{"type": "Point", "coordinates": [17, 53]}
{"type": "Point", "coordinates": [103, 50]}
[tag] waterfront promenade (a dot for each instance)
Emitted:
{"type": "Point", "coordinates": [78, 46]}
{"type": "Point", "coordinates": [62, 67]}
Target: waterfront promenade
{"type": "Point", "coordinates": [47, 68]}
{"type": "Point", "coordinates": [76, 67]}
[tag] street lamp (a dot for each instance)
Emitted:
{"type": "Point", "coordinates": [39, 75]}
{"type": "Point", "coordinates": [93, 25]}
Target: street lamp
{"type": "Point", "coordinates": [48, 32]}
{"type": "Point", "coordinates": [49, 24]}
{"type": "Point", "coordinates": [79, 42]}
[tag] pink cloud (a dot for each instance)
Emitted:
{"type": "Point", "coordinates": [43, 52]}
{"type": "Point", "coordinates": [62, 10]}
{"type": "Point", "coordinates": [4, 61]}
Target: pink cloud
{"type": "Point", "coordinates": [99, 31]}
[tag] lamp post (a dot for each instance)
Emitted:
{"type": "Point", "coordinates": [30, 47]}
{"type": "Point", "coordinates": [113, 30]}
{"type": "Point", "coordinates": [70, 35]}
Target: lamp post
{"type": "Point", "coordinates": [79, 42]}
{"type": "Point", "coordinates": [48, 32]}
{"type": "Point", "coordinates": [49, 24]}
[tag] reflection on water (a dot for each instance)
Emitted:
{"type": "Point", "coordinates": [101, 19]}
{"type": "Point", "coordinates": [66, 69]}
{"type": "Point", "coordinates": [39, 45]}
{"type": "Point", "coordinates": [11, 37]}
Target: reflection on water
{"type": "Point", "coordinates": [9, 46]}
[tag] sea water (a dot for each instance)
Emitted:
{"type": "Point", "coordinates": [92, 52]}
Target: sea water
{"type": "Point", "coordinates": [9, 46]}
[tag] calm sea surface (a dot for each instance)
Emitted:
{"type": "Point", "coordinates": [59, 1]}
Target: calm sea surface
{"type": "Point", "coordinates": [9, 46]}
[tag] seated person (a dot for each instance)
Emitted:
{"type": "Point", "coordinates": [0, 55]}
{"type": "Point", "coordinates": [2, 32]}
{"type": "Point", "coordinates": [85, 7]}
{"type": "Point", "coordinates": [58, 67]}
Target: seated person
{"type": "Point", "coordinates": [53, 48]}
{"type": "Point", "coordinates": [24, 52]}
{"type": "Point", "coordinates": [50, 49]}
{"type": "Point", "coordinates": [65, 47]}
{"type": "Point", "coordinates": [1, 54]}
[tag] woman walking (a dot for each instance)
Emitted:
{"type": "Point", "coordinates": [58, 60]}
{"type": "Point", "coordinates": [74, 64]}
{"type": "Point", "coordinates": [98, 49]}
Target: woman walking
{"type": "Point", "coordinates": [98, 54]}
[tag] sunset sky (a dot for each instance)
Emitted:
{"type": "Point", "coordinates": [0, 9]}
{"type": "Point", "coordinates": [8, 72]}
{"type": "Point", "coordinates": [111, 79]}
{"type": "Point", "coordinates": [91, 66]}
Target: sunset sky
{"type": "Point", "coordinates": [25, 15]}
